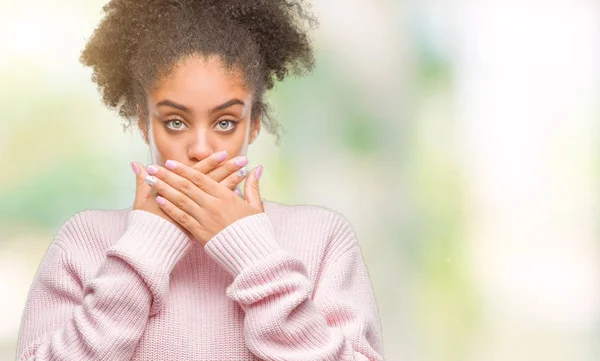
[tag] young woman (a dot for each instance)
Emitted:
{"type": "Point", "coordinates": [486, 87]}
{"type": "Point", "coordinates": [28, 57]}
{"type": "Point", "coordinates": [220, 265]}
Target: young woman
{"type": "Point", "coordinates": [195, 270]}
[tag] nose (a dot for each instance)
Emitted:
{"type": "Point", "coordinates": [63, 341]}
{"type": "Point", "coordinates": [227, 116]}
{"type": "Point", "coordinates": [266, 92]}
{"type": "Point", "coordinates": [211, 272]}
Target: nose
{"type": "Point", "coordinates": [200, 147]}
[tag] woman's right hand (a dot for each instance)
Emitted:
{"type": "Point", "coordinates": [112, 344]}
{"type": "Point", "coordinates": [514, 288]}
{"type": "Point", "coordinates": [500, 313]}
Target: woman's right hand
{"type": "Point", "coordinates": [225, 172]}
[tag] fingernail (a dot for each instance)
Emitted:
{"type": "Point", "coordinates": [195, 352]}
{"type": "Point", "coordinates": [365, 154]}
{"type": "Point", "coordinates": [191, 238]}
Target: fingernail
{"type": "Point", "coordinates": [221, 156]}
{"type": "Point", "coordinates": [171, 164]}
{"type": "Point", "coordinates": [242, 172]}
{"type": "Point", "coordinates": [151, 169]}
{"type": "Point", "coordinates": [151, 180]}
{"type": "Point", "coordinates": [160, 200]}
{"type": "Point", "coordinates": [241, 161]}
{"type": "Point", "coordinates": [259, 171]}
{"type": "Point", "coordinates": [135, 168]}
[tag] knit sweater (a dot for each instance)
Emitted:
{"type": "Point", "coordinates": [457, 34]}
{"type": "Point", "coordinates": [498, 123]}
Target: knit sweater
{"type": "Point", "coordinates": [286, 284]}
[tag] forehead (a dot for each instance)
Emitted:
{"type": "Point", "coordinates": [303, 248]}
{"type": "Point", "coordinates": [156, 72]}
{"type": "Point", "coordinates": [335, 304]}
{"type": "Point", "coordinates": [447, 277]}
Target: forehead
{"type": "Point", "coordinates": [200, 80]}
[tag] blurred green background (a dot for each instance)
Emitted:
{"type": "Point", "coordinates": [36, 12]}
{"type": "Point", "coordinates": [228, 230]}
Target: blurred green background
{"type": "Point", "coordinates": [459, 138]}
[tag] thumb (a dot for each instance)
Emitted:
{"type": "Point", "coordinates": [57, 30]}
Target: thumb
{"type": "Point", "coordinates": [143, 191]}
{"type": "Point", "coordinates": [251, 190]}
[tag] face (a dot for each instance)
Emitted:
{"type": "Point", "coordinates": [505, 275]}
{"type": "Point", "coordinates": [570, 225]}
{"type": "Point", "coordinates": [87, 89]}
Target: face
{"type": "Point", "coordinates": [197, 110]}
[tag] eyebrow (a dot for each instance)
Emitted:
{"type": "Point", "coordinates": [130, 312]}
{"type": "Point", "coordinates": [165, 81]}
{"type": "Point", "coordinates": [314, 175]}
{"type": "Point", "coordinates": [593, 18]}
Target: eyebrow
{"type": "Point", "coordinates": [181, 107]}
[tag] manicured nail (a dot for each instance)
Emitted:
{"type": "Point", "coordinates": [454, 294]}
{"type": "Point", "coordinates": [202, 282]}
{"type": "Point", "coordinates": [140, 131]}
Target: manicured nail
{"type": "Point", "coordinates": [170, 164]}
{"type": "Point", "coordinates": [151, 169]}
{"type": "Point", "coordinates": [241, 161]}
{"type": "Point", "coordinates": [160, 200]}
{"type": "Point", "coordinates": [242, 172]}
{"type": "Point", "coordinates": [259, 171]}
{"type": "Point", "coordinates": [135, 168]}
{"type": "Point", "coordinates": [151, 180]}
{"type": "Point", "coordinates": [221, 156]}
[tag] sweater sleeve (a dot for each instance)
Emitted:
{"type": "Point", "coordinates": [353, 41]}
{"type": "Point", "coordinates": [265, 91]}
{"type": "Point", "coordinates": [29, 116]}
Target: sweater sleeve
{"type": "Point", "coordinates": [284, 319]}
{"type": "Point", "coordinates": [63, 320]}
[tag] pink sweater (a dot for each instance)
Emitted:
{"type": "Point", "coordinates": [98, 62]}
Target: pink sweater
{"type": "Point", "coordinates": [287, 284]}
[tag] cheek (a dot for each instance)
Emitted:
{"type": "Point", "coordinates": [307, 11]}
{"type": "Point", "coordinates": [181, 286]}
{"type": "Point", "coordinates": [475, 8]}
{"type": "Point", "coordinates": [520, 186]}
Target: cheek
{"type": "Point", "coordinates": [233, 145]}
{"type": "Point", "coordinates": [160, 145]}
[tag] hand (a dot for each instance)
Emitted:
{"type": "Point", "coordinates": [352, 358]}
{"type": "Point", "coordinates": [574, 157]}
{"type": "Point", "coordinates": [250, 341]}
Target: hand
{"type": "Point", "coordinates": [145, 197]}
{"type": "Point", "coordinates": [199, 203]}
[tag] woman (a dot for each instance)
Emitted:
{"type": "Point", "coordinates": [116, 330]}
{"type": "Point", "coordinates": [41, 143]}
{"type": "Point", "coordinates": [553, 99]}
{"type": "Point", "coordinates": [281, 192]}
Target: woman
{"type": "Point", "coordinates": [199, 272]}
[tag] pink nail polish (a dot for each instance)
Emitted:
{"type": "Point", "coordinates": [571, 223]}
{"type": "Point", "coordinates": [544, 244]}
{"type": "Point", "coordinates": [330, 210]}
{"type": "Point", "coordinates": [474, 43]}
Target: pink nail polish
{"type": "Point", "coordinates": [151, 169]}
{"type": "Point", "coordinates": [259, 171]}
{"type": "Point", "coordinates": [135, 168]}
{"type": "Point", "coordinates": [160, 200]}
{"type": "Point", "coordinates": [241, 161]}
{"type": "Point", "coordinates": [170, 164]}
{"type": "Point", "coordinates": [221, 156]}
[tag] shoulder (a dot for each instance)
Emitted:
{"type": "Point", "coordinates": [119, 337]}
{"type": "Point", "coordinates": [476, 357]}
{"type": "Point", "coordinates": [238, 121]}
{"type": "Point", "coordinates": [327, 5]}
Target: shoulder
{"type": "Point", "coordinates": [305, 212]}
{"type": "Point", "coordinates": [335, 228]}
{"type": "Point", "coordinates": [91, 228]}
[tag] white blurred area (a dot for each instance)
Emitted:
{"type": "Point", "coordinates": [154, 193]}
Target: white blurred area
{"type": "Point", "coordinates": [528, 94]}
{"type": "Point", "coordinates": [511, 137]}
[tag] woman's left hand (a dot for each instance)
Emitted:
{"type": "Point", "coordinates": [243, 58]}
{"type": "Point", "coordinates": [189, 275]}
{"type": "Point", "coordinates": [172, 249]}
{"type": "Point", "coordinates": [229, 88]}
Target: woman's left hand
{"type": "Point", "coordinates": [200, 204]}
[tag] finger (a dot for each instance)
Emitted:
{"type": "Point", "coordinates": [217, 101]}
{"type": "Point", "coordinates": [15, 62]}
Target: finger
{"type": "Point", "coordinates": [142, 190]}
{"type": "Point", "coordinates": [178, 215]}
{"type": "Point", "coordinates": [180, 183]}
{"type": "Point", "coordinates": [235, 178]}
{"type": "Point", "coordinates": [237, 191]}
{"type": "Point", "coordinates": [206, 184]}
{"type": "Point", "coordinates": [209, 163]}
{"type": "Point", "coordinates": [251, 189]}
{"type": "Point", "coordinates": [181, 192]}
{"type": "Point", "coordinates": [227, 169]}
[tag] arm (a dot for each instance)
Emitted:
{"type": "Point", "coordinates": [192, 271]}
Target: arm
{"type": "Point", "coordinates": [282, 321]}
{"type": "Point", "coordinates": [62, 320]}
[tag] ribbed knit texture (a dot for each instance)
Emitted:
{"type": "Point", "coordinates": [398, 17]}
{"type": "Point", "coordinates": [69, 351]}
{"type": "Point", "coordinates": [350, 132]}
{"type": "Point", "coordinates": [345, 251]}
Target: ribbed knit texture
{"type": "Point", "coordinates": [287, 284]}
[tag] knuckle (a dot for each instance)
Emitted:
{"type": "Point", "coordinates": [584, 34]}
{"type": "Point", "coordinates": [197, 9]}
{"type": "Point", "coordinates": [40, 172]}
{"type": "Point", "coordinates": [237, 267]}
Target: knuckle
{"type": "Point", "coordinates": [181, 202]}
{"type": "Point", "coordinates": [185, 220]}
{"type": "Point", "coordinates": [186, 187]}
{"type": "Point", "coordinates": [229, 183]}
{"type": "Point", "coordinates": [198, 180]}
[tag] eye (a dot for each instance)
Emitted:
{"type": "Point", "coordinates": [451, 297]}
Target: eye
{"type": "Point", "coordinates": [178, 123]}
{"type": "Point", "coordinates": [223, 125]}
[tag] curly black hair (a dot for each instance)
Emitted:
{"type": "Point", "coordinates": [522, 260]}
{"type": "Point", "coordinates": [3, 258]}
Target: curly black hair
{"type": "Point", "coordinates": [138, 42]}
